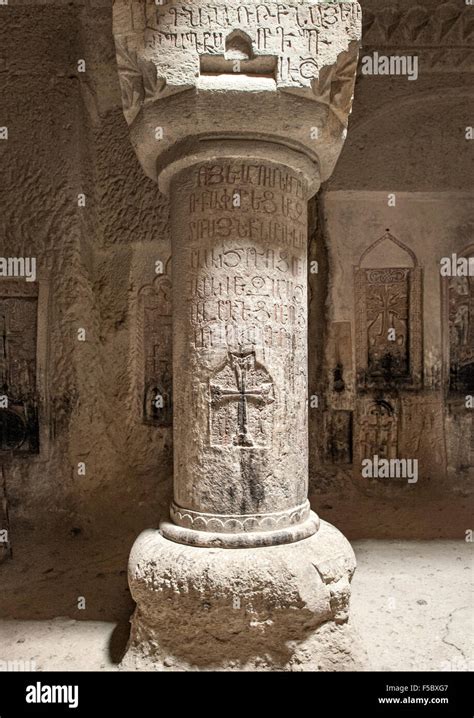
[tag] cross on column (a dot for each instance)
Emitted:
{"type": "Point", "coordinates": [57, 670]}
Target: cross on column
{"type": "Point", "coordinates": [242, 365]}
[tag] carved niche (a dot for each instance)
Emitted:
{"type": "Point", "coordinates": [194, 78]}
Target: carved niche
{"type": "Point", "coordinates": [157, 341]}
{"type": "Point", "coordinates": [376, 430]}
{"type": "Point", "coordinates": [19, 433]}
{"type": "Point", "coordinates": [388, 313]}
{"type": "Point", "coordinates": [338, 428]}
{"type": "Point", "coordinates": [459, 292]}
{"type": "Point", "coordinates": [241, 403]}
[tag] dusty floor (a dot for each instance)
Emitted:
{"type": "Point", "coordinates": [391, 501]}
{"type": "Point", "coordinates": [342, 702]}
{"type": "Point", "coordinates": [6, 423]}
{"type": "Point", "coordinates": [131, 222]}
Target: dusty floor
{"type": "Point", "coordinates": [412, 603]}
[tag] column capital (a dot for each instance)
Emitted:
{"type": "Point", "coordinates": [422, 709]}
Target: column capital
{"type": "Point", "coordinates": [280, 73]}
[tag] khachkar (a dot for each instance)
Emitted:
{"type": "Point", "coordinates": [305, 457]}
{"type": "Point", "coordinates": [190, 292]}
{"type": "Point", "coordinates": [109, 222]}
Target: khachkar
{"type": "Point", "coordinates": [239, 111]}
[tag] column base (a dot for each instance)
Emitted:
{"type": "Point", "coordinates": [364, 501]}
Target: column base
{"type": "Point", "coordinates": [273, 528]}
{"type": "Point", "coordinates": [276, 608]}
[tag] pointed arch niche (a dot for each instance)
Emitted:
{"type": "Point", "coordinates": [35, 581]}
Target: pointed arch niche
{"type": "Point", "coordinates": [388, 316]}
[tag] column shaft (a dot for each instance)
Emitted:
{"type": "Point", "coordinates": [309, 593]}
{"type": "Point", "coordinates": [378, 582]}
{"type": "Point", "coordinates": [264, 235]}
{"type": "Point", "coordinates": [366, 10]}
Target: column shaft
{"type": "Point", "coordinates": [239, 242]}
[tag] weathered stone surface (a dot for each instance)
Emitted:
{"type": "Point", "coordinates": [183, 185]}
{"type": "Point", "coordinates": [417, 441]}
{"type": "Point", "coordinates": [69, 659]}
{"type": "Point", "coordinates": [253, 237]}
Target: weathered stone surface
{"type": "Point", "coordinates": [276, 608]}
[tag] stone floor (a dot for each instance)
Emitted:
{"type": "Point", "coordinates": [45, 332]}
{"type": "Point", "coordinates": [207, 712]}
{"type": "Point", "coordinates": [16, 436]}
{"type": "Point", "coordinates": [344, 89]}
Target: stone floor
{"type": "Point", "coordinates": [412, 603]}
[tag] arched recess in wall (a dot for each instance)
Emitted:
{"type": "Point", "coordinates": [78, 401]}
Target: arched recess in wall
{"type": "Point", "coordinates": [155, 338]}
{"type": "Point", "coordinates": [388, 316]}
{"type": "Point", "coordinates": [458, 321]}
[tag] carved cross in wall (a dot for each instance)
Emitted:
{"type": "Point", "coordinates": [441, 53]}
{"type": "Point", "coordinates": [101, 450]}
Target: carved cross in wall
{"type": "Point", "coordinates": [243, 365]}
{"type": "Point", "coordinates": [388, 304]}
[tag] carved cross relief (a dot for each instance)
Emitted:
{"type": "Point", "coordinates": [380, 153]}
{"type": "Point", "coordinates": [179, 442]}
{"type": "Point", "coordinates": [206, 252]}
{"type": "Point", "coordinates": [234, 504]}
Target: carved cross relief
{"type": "Point", "coordinates": [389, 343]}
{"type": "Point", "coordinates": [387, 311]}
{"type": "Point", "coordinates": [241, 394]}
{"type": "Point", "coordinates": [388, 319]}
{"type": "Point", "coordinates": [378, 431]}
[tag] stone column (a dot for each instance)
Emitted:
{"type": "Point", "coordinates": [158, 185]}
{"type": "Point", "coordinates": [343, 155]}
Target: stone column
{"type": "Point", "coordinates": [239, 244]}
{"type": "Point", "coordinates": [239, 111]}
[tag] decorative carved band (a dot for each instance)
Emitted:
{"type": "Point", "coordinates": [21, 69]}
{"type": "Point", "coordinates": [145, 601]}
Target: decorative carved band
{"type": "Point", "coordinates": [446, 24]}
{"type": "Point", "coordinates": [233, 523]}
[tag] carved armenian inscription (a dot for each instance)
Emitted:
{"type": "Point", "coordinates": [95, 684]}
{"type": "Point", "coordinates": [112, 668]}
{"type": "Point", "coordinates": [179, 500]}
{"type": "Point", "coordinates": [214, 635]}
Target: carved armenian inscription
{"type": "Point", "coordinates": [246, 248]}
{"type": "Point", "coordinates": [257, 203]}
{"type": "Point", "coordinates": [241, 398]}
{"type": "Point", "coordinates": [291, 32]}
